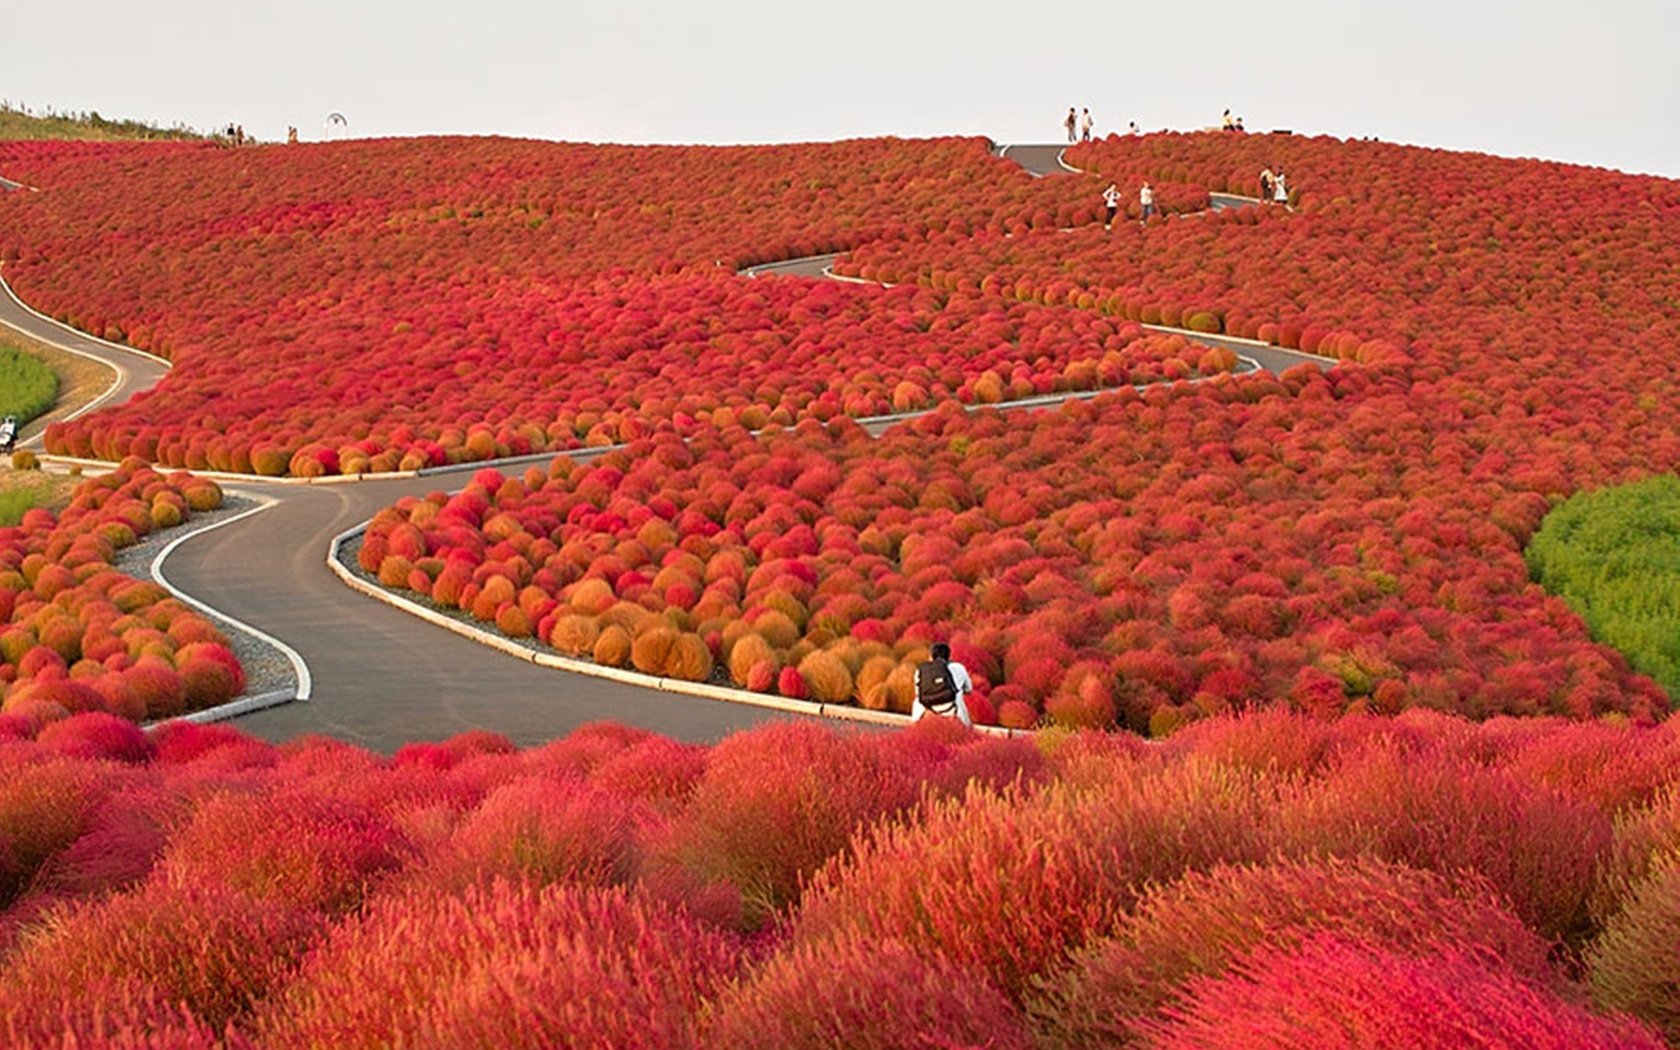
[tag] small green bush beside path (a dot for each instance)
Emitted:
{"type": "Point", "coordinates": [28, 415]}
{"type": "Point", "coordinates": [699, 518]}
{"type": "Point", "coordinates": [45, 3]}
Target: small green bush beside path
{"type": "Point", "coordinates": [27, 386]}
{"type": "Point", "coordinates": [1614, 556]}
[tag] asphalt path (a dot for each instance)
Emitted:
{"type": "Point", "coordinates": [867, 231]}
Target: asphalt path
{"type": "Point", "coordinates": [381, 677]}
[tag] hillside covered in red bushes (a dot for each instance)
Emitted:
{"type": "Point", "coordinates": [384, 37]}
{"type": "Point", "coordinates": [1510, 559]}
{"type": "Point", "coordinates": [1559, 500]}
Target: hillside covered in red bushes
{"type": "Point", "coordinates": [382, 305]}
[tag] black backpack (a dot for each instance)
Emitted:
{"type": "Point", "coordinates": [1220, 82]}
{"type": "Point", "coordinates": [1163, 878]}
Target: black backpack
{"type": "Point", "coordinates": [935, 687]}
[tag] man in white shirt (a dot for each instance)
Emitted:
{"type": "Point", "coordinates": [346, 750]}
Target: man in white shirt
{"type": "Point", "coordinates": [1086, 124]}
{"type": "Point", "coordinates": [1146, 197]}
{"type": "Point", "coordinates": [939, 678]}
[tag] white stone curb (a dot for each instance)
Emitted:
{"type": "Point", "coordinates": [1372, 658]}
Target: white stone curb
{"type": "Point", "coordinates": [232, 709]}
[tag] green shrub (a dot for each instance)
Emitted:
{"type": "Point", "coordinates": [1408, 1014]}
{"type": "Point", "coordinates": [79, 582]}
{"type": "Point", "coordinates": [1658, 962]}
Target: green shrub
{"type": "Point", "coordinates": [27, 386]}
{"type": "Point", "coordinates": [1611, 555]}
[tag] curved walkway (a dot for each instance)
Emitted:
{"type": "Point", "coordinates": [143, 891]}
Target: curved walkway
{"type": "Point", "coordinates": [379, 676]}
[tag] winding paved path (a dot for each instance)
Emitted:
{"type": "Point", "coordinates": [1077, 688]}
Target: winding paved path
{"type": "Point", "coordinates": [381, 677]}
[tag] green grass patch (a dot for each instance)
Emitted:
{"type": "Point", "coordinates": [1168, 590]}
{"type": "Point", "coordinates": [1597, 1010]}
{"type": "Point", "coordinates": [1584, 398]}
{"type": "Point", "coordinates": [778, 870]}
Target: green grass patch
{"type": "Point", "coordinates": [23, 490]}
{"type": "Point", "coordinates": [1614, 556]}
{"type": "Point", "coordinates": [27, 386]}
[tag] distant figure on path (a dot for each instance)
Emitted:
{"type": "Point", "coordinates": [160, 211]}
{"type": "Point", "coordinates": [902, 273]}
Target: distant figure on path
{"type": "Point", "coordinates": [1111, 201]}
{"type": "Point", "coordinates": [1226, 123]}
{"type": "Point", "coordinates": [1132, 128]}
{"type": "Point", "coordinates": [1146, 197]}
{"type": "Point", "coordinates": [1085, 126]}
{"type": "Point", "coordinates": [1240, 125]}
{"type": "Point", "coordinates": [1280, 190]}
{"type": "Point", "coordinates": [941, 684]}
{"type": "Point", "coordinates": [8, 433]}
{"type": "Point", "coordinates": [291, 135]}
{"type": "Point", "coordinates": [1265, 184]}
{"type": "Point", "coordinates": [1071, 123]}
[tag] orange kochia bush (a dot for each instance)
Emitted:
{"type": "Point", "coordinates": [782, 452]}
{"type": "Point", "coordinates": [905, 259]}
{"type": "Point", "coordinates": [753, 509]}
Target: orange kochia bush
{"type": "Point", "coordinates": [774, 889]}
{"type": "Point", "coordinates": [77, 635]}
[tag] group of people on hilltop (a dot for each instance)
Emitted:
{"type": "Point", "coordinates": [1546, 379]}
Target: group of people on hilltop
{"type": "Point", "coordinates": [1079, 125]}
{"type": "Point", "coordinates": [1230, 123]}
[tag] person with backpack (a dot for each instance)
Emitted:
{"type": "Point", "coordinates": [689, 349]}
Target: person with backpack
{"type": "Point", "coordinates": [941, 685]}
{"type": "Point", "coordinates": [1071, 123]}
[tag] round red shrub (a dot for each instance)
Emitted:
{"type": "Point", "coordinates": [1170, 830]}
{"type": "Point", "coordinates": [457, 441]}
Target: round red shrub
{"type": "Point", "coordinates": [876, 995]}
{"type": "Point", "coordinates": [1336, 993]}
{"type": "Point", "coordinates": [504, 965]}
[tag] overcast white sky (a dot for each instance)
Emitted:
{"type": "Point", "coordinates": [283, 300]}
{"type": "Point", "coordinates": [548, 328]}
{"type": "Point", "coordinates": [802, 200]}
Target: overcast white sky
{"type": "Point", "coordinates": [1594, 83]}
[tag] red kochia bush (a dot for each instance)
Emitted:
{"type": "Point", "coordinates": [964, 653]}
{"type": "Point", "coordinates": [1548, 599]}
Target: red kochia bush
{"type": "Point", "coordinates": [44, 806]}
{"type": "Point", "coordinates": [213, 950]}
{"type": "Point", "coordinates": [1200, 924]}
{"type": "Point", "coordinates": [876, 995]}
{"type": "Point", "coordinates": [541, 830]}
{"type": "Point", "coordinates": [96, 735]}
{"type": "Point", "coordinates": [951, 882]}
{"type": "Point", "coordinates": [504, 965]}
{"type": "Point", "coordinates": [776, 803]}
{"type": "Point", "coordinates": [1333, 993]}
{"type": "Point", "coordinates": [284, 847]}
{"type": "Point", "coordinates": [1444, 813]}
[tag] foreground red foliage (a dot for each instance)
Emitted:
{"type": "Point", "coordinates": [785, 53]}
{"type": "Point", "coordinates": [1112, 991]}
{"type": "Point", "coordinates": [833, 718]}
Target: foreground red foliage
{"type": "Point", "coordinates": [793, 886]}
{"type": "Point", "coordinates": [77, 635]}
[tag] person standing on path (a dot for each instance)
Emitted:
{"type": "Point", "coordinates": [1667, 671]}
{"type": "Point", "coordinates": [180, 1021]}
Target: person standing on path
{"type": "Point", "coordinates": [1265, 184]}
{"type": "Point", "coordinates": [1071, 123]}
{"type": "Point", "coordinates": [1111, 201]}
{"type": "Point", "coordinates": [1146, 197]}
{"type": "Point", "coordinates": [1085, 126]}
{"type": "Point", "coordinates": [1280, 190]}
{"type": "Point", "coordinates": [941, 685]}
{"type": "Point", "coordinates": [1132, 128]}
